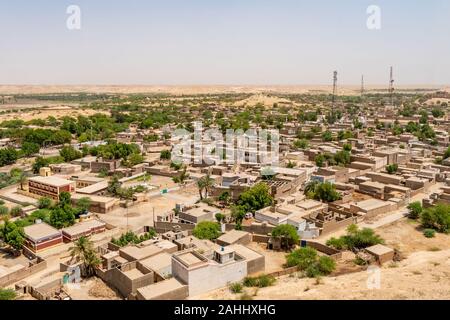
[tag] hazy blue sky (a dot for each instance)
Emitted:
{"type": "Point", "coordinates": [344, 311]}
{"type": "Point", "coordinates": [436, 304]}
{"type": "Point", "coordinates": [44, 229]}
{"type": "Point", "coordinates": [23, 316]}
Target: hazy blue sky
{"type": "Point", "coordinates": [223, 42]}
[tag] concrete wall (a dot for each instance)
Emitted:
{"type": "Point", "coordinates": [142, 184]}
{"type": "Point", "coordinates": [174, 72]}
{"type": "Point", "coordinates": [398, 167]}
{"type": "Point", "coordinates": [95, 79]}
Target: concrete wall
{"type": "Point", "coordinates": [22, 274]}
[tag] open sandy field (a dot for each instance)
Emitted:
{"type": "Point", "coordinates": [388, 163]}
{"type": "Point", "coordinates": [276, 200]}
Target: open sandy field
{"type": "Point", "coordinates": [44, 113]}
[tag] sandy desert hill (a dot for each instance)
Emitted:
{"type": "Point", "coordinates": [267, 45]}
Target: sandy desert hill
{"type": "Point", "coordinates": [201, 89]}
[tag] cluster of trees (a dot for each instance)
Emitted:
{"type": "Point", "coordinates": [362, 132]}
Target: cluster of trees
{"type": "Point", "coordinates": [45, 162]}
{"type": "Point", "coordinates": [322, 191]}
{"type": "Point", "coordinates": [131, 237]}
{"type": "Point", "coordinates": [69, 153]}
{"type": "Point", "coordinates": [355, 239]}
{"type": "Point", "coordinates": [13, 235]}
{"type": "Point", "coordinates": [341, 158]}
{"type": "Point", "coordinates": [436, 218]}
{"type": "Point", "coordinates": [114, 150]}
{"type": "Point", "coordinates": [14, 176]}
{"type": "Point", "coordinates": [308, 261]}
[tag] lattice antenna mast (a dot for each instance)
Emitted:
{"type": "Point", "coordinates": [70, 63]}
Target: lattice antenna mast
{"type": "Point", "coordinates": [362, 86]}
{"type": "Point", "coordinates": [391, 86]}
{"type": "Point", "coordinates": [334, 88]}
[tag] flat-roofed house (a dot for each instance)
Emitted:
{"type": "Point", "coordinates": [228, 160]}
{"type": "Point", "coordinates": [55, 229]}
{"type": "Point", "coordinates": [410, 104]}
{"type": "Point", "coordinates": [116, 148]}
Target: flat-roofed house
{"type": "Point", "coordinates": [234, 236]}
{"type": "Point", "coordinates": [202, 274]}
{"type": "Point", "coordinates": [198, 213]}
{"type": "Point", "coordinates": [41, 236]}
{"type": "Point", "coordinates": [50, 187]}
{"type": "Point", "coordinates": [160, 263]}
{"type": "Point", "coordinates": [170, 289]}
{"type": "Point", "coordinates": [83, 229]}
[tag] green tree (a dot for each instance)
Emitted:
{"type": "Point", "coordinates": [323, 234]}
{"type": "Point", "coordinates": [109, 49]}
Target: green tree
{"type": "Point", "coordinates": [320, 160]}
{"type": "Point", "coordinates": [45, 203]}
{"type": "Point", "coordinates": [342, 158]}
{"type": "Point", "coordinates": [256, 198]}
{"type": "Point", "coordinates": [165, 155]}
{"type": "Point", "coordinates": [327, 136]}
{"type": "Point", "coordinates": [301, 144]}
{"type": "Point", "coordinates": [302, 257]}
{"type": "Point", "coordinates": [205, 183]}
{"type": "Point", "coordinates": [207, 230]}
{"type": "Point", "coordinates": [114, 185]}
{"type": "Point", "coordinates": [69, 153]}
{"type": "Point", "coordinates": [415, 209]}
{"type": "Point", "coordinates": [62, 218]}
{"type": "Point", "coordinates": [182, 176]}
{"type": "Point", "coordinates": [288, 234]}
{"type": "Point", "coordinates": [65, 198]}
{"type": "Point", "coordinates": [392, 168]}
{"type": "Point", "coordinates": [30, 148]}
{"type": "Point", "coordinates": [83, 250]}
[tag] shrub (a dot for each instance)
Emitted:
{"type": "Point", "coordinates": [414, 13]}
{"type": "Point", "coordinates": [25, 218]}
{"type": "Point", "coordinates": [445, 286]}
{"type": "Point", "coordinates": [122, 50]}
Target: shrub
{"type": "Point", "coordinates": [45, 203]}
{"type": "Point", "coordinates": [326, 265]}
{"type": "Point", "coordinates": [265, 281]}
{"type": "Point", "coordinates": [16, 211]}
{"type": "Point", "coordinates": [261, 281]}
{"type": "Point", "coordinates": [250, 282]}
{"type": "Point", "coordinates": [392, 168]}
{"type": "Point", "coordinates": [429, 233]}
{"type": "Point", "coordinates": [236, 287]}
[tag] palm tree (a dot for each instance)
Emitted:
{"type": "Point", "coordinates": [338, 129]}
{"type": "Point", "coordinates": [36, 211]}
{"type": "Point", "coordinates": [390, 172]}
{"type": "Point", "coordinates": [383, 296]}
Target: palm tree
{"type": "Point", "coordinates": [201, 186]}
{"type": "Point", "coordinates": [83, 250]}
{"type": "Point", "coordinates": [311, 186]}
{"type": "Point", "coordinates": [208, 183]}
{"type": "Point", "coordinates": [182, 177]}
{"type": "Point", "coordinates": [22, 179]}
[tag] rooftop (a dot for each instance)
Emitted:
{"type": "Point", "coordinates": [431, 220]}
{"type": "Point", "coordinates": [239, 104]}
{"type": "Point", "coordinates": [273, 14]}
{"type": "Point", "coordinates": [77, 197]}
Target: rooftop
{"type": "Point", "coordinates": [156, 289]}
{"type": "Point", "coordinates": [39, 231]}
{"type": "Point", "coordinates": [51, 180]}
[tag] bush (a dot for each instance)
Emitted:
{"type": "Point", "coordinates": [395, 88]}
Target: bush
{"type": "Point", "coordinates": [415, 209]}
{"type": "Point", "coordinates": [265, 281]}
{"type": "Point", "coordinates": [392, 168]}
{"type": "Point", "coordinates": [250, 282]}
{"type": "Point", "coordinates": [261, 281]}
{"type": "Point", "coordinates": [326, 265]}
{"type": "Point", "coordinates": [16, 211]}
{"type": "Point", "coordinates": [7, 294]}
{"type": "Point", "coordinates": [236, 287]}
{"type": "Point", "coordinates": [429, 233]}
{"type": "Point", "coordinates": [45, 203]}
